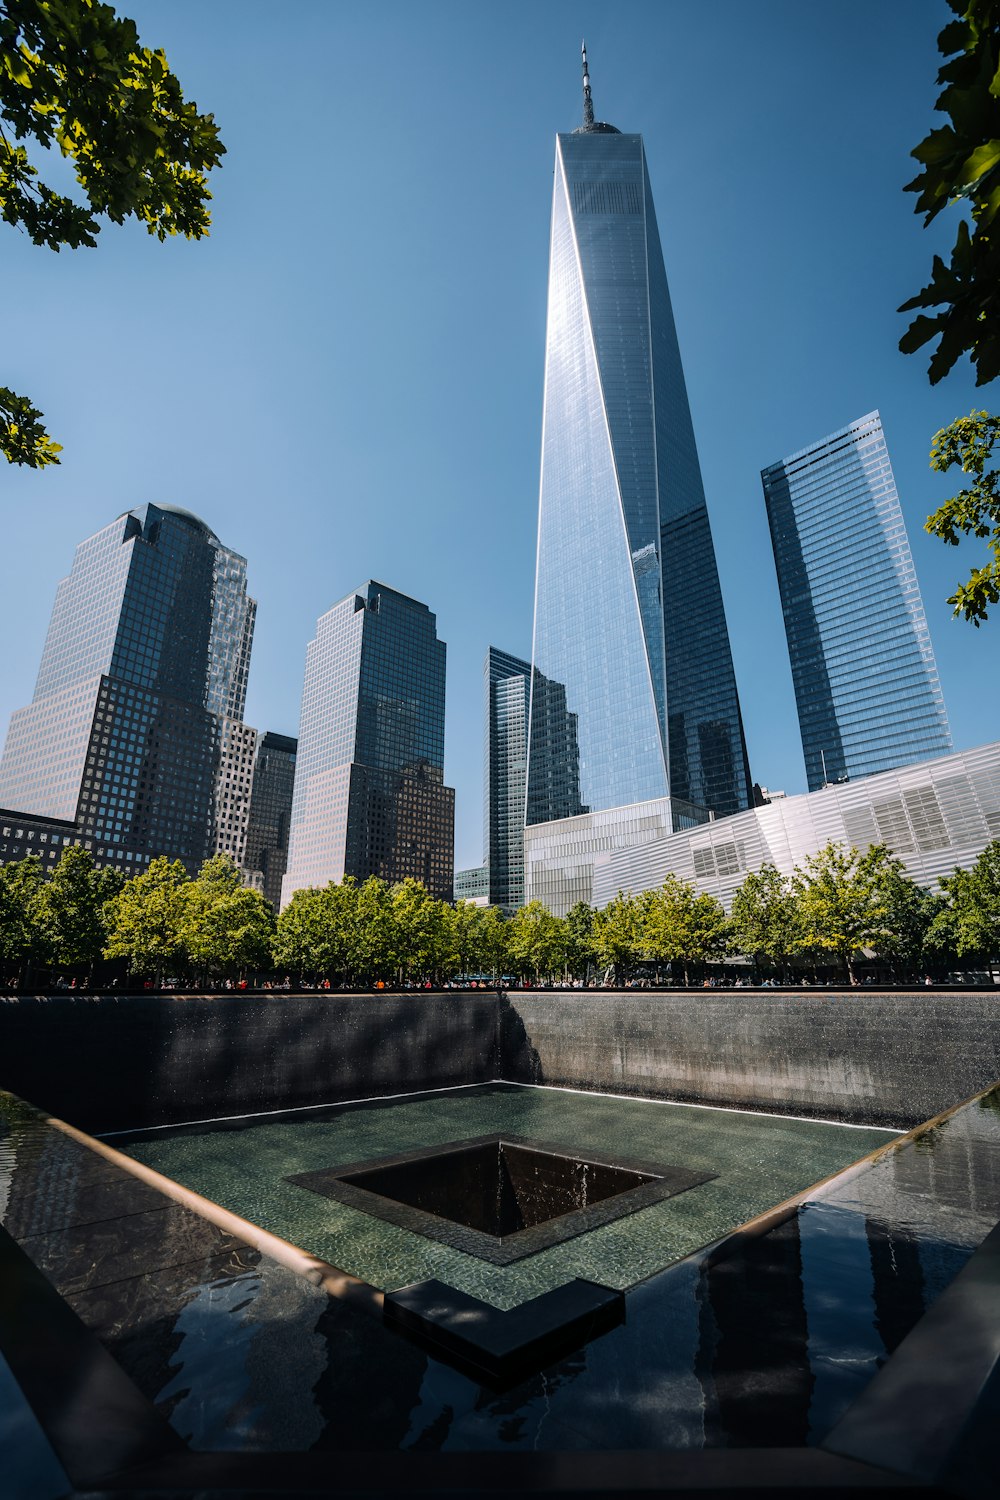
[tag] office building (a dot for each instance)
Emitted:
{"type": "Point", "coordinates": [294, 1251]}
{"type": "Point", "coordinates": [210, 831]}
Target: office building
{"type": "Point", "coordinates": [506, 706]}
{"type": "Point", "coordinates": [233, 789]}
{"type": "Point", "coordinates": [629, 617]}
{"type": "Point", "coordinates": [139, 698]}
{"type": "Point", "coordinates": [866, 683]}
{"type": "Point", "coordinates": [266, 851]}
{"type": "Point", "coordinates": [934, 816]}
{"type": "Point", "coordinates": [369, 793]}
{"type": "Point", "coordinates": [473, 885]}
{"type": "Point", "coordinates": [22, 834]}
{"type": "Point", "coordinates": [509, 689]}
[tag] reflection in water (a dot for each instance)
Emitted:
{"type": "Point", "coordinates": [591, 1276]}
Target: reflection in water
{"type": "Point", "coordinates": [796, 1324]}
{"type": "Point", "coordinates": [226, 1348]}
{"type": "Point", "coordinates": [843, 1350]}
{"type": "Point", "coordinates": [766, 1346]}
{"type": "Point", "coordinates": [752, 1354]}
{"type": "Point", "coordinates": [200, 1355]}
{"type": "Point", "coordinates": [456, 1413]}
{"type": "Point", "coordinates": [898, 1289]}
{"type": "Point", "coordinates": [369, 1384]}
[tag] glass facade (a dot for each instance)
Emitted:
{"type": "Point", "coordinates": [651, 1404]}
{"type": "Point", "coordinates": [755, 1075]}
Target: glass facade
{"type": "Point", "coordinates": [473, 885]}
{"type": "Point", "coordinates": [935, 816]}
{"type": "Point", "coordinates": [866, 682]}
{"type": "Point", "coordinates": [507, 694]}
{"type": "Point", "coordinates": [369, 797]}
{"type": "Point", "coordinates": [509, 689]}
{"type": "Point", "coordinates": [270, 812]}
{"type": "Point", "coordinates": [139, 695]}
{"type": "Point", "coordinates": [234, 786]}
{"type": "Point", "coordinates": [629, 621]}
{"type": "Point", "coordinates": [45, 838]}
{"type": "Point", "coordinates": [562, 856]}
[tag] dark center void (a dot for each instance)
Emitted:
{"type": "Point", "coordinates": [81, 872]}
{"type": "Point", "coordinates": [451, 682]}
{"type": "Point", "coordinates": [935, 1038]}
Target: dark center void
{"type": "Point", "coordinates": [499, 1197]}
{"type": "Point", "coordinates": [499, 1188]}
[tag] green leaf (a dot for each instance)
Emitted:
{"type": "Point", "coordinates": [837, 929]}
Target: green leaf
{"type": "Point", "coordinates": [23, 439]}
{"type": "Point", "coordinates": [961, 162]}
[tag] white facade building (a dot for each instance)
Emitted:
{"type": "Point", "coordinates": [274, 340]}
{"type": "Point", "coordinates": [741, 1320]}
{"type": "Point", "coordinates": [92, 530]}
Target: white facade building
{"type": "Point", "coordinates": [934, 816]}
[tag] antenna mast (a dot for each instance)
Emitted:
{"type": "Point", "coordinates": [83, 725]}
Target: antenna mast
{"type": "Point", "coordinates": [588, 103]}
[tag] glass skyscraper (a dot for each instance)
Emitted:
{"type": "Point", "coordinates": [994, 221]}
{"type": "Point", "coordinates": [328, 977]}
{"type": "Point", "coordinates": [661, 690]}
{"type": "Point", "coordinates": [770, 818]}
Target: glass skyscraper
{"type": "Point", "coordinates": [369, 794]}
{"type": "Point", "coordinates": [135, 733]}
{"type": "Point", "coordinates": [266, 852]}
{"type": "Point", "coordinates": [507, 693]}
{"type": "Point", "coordinates": [508, 684]}
{"type": "Point", "coordinates": [866, 683]}
{"type": "Point", "coordinates": [628, 611]}
{"type": "Point", "coordinates": [555, 788]}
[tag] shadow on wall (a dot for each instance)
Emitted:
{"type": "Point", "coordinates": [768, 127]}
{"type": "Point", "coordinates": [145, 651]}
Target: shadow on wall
{"type": "Point", "coordinates": [515, 1060]}
{"type": "Point", "coordinates": [124, 1062]}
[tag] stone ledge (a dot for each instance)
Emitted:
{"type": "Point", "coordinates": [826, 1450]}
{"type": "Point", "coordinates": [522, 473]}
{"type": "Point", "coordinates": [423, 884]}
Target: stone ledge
{"type": "Point", "coordinates": [503, 1347]}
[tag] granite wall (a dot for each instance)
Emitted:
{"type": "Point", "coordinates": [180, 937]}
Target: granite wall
{"type": "Point", "coordinates": [118, 1062]}
{"type": "Point", "coordinates": [893, 1058]}
{"type": "Point", "coordinates": [114, 1062]}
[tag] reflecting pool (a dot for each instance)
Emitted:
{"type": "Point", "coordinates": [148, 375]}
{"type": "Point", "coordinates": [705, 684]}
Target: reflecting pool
{"type": "Point", "coordinates": [754, 1162]}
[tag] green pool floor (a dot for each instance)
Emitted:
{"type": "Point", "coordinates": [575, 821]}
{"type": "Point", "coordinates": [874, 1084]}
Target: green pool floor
{"type": "Point", "coordinates": [760, 1160]}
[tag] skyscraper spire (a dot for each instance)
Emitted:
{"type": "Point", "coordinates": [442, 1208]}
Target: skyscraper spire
{"type": "Point", "coordinates": [629, 620]}
{"type": "Point", "coordinates": [588, 103]}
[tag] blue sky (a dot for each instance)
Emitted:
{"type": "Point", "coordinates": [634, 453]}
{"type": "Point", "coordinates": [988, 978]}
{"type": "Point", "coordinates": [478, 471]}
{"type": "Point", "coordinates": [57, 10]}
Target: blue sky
{"type": "Point", "coordinates": [345, 380]}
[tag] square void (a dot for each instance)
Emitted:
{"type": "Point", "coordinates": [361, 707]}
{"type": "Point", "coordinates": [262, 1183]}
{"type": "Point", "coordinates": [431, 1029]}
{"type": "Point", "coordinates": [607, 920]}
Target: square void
{"type": "Point", "coordinates": [500, 1197]}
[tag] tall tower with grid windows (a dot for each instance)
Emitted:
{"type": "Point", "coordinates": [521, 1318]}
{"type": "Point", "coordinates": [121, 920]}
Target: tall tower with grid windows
{"type": "Point", "coordinates": [369, 796]}
{"type": "Point", "coordinates": [270, 810]}
{"type": "Point", "coordinates": [863, 668]}
{"type": "Point", "coordinates": [628, 610]}
{"type": "Point", "coordinates": [508, 688]}
{"type": "Point", "coordinates": [135, 731]}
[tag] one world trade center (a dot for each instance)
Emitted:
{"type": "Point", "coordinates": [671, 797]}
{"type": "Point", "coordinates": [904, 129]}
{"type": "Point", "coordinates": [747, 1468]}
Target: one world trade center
{"type": "Point", "coordinates": [628, 609]}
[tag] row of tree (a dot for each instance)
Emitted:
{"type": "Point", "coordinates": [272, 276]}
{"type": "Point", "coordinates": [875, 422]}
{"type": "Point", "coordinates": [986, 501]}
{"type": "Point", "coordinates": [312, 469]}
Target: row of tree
{"type": "Point", "coordinates": [842, 904]}
{"type": "Point", "coordinates": [158, 922]}
{"type": "Point", "coordinates": [837, 907]}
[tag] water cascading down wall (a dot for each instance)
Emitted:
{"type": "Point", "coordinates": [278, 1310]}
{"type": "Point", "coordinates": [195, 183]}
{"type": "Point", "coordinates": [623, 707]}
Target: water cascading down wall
{"type": "Point", "coordinates": [119, 1062]}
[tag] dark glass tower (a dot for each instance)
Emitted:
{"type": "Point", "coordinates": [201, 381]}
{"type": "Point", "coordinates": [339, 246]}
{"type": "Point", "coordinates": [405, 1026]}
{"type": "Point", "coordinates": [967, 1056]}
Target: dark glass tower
{"type": "Point", "coordinates": [507, 692]}
{"type": "Point", "coordinates": [270, 812]}
{"type": "Point", "coordinates": [628, 609]}
{"type": "Point", "coordinates": [555, 759]}
{"type": "Point", "coordinates": [369, 796]}
{"type": "Point", "coordinates": [135, 732]}
{"type": "Point", "coordinates": [866, 682]}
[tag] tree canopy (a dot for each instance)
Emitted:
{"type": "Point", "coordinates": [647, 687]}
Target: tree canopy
{"type": "Point", "coordinates": [763, 918]}
{"type": "Point", "coordinates": [617, 935]}
{"type": "Point", "coordinates": [681, 925]}
{"type": "Point", "coordinates": [840, 901]}
{"type": "Point", "coordinates": [968, 442]}
{"type": "Point", "coordinates": [960, 164]}
{"type": "Point", "coordinates": [225, 928]}
{"type": "Point", "coordinates": [70, 910]}
{"type": "Point", "coordinates": [146, 919]}
{"type": "Point", "coordinates": [580, 949]}
{"type": "Point", "coordinates": [967, 924]}
{"type": "Point", "coordinates": [536, 941]}
{"type": "Point", "coordinates": [75, 77]}
{"type": "Point", "coordinates": [838, 906]}
{"type": "Point", "coordinates": [20, 883]}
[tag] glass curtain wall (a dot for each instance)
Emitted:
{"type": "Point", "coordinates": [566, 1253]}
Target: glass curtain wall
{"type": "Point", "coordinates": [863, 667]}
{"type": "Point", "coordinates": [628, 611]}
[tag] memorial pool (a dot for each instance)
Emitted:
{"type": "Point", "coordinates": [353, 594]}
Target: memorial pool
{"type": "Point", "coordinates": [755, 1162]}
{"type": "Point", "coordinates": [701, 1337]}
